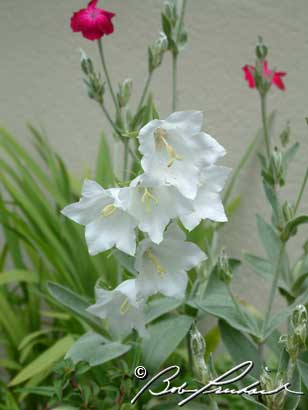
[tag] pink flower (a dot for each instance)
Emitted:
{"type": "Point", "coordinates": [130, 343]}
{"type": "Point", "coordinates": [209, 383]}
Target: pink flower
{"type": "Point", "coordinates": [93, 22]}
{"type": "Point", "coordinates": [274, 77]}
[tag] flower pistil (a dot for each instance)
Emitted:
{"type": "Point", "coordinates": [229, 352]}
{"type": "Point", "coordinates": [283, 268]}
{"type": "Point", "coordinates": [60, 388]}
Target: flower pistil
{"type": "Point", "coordinates": [159, 268]}
{"type": "Point", "coordinates": [160, 136]}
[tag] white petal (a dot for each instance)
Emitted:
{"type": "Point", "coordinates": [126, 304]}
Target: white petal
{"type": "Point", "coordinates": [167, 203]}
{"type": "Point", "coordinates": [116, 230]}
{"type": "Point", "coordinates": [146, 136]}
{"type": "Point", "coordinates": [93, 200]}
{"type": "Point", "coordinates": [128, 288]}
{"type": "Point", "coordinates": [207, 205]}
{"type": "Point", "coordinates": [173, 285]}
{"type": "Point", "coordinates": [175, 232]}
{"type": "Point", "coordinates": [178, 255]}
{"type": "Point", "coordinates": [188, 122]}
{"type": "Point", "coordinates": [91, 188]}
{"type": "Point", "coordinates": [215, 177]}
{"type": "Point", "coordinates": [87, 209]}
{"type": "Point", "coordinates": [207, 148]}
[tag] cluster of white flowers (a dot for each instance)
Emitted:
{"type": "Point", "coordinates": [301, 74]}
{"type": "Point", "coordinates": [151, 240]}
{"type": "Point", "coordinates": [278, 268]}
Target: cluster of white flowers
{"type": "Point", "coordinates": [180, 181]}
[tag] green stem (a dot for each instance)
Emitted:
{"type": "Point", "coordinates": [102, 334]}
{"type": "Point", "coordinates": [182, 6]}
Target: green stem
{"type": "Point", "coordinates": [239, 167]}
{"type": "Point", "coordinates": [118, 132]}
{"type": "Point", "coordinates": [181, 20]}
{"type": "Point", "coordinates": [265, 127]}
{"type": "Point", "coordinates": [174, 81]}
{"type": "Point", "coordinates": [126, 151]}
{"type": "Point", "coordinates": [190, 355]}
{"type": "Point", "coordinates": [236, 305]}
{"type": "Point", "coordinates": [273, 289]}
{"type": "Point", "coordinates": [145, 90]}
{"type": "Point", "coordinates": [301, 192]}
{"type": "Point", "coordinates": [101, 53]}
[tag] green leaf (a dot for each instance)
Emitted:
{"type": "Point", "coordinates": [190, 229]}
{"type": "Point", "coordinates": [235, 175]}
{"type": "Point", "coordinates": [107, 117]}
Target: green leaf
{"type": "Point", "coordinates": [283, 314]}
{"type": "Point", "coordinates": [18, 275]}
{"type": "Point", "coordinates": [260, 266]}
{"type": "Point", "coordinates": [293, 400]}
{"type": "Point", "coordinates": [303, 371]}
{"type": "Point", "coordinates": [273, 200]}
{"type": "Point", "coordinates": [104, 169]}
{"type": "Point", "coordinates": [298, 283]}
{"type": "Point", "coordinates": [289, 155]}
{"type": "Point", "coordinates": [218, 302]}
{"type": "Point", "coordinates": [32, 336]}
{"type": "Point", "coordinates": [166, 24]}
{"type": "Point", "coordinates": [294, 223]}
{"type": "Point", "coordinates": [164, 337]}
{"type": "Point", "coordinates": [73, 302]}
{"type": "Point", "coordinates": [126, 261]}
{"type": "Point", "coordinates": [232, 206]}
{"type": "Point", "coordinates": [9, 364]}
{"type": "Point", "coordinates": [43, 361]}
{"type": "Point", "coordinates": [269, 239]}
{"type": "Point", "coordinates": [240, 347]}
{"type": "Point", "coordinates": [95, 350]}
{"type": "Point", "coordinates": [44, 391]}
{"type": "Point", "coordinates": [158, 307]}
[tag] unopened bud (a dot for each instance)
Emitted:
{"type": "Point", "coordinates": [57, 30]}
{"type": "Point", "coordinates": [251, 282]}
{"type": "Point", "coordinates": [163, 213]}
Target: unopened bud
{"type": "Point", "coordinates": [157, 50]}
{"type": "Point", "coordinates": [86, 63]}
{"type": "Point", "coordinates": [198, 348]}
{"type": "Point", "coordinates": [288, 211]}
{"type": "Point", "coordinates": [125, 92]}
{"type": "Point", "coordinates": [299, 323]}
{"type": "Point", "coordinates": [223, 267]}
{"type": "Point", "coordinates": [269, 381]}
{"type": "Point", "coordinates": [261, 49]}
{"type": "Point", "coordinates": [276, 167]}
{"type": "Point", "coordinates": [170, 12]}
{"type": "Point", "coordinates": [285, 135]}
{"type": "Point", "coordinates": [295, 341]}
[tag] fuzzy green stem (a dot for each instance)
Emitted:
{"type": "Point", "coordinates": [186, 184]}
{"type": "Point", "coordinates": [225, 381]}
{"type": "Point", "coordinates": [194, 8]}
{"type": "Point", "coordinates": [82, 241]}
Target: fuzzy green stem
{"type": "Point", "coordinates": [117, 131]}
{"type": "Point", "coordinates": [301, 192]}
{"type": "Point", "coordinates": [273, 289]}
{"type": "Point", "coordinates": [239, 167]}
{"type": "Point", "coordinates": [101, 53]}
{"type": "Point", "coordinates": [181, 20]}
{"type": "Point", "coordinates": [236, 305]}
{"type": "Point", "coordinates": [265, 126]}
{"type": "Point", "coordinates": [174, 81]}
{"type": "Point", "coordinates": [125, 165]}
{"type": "Point", "coordinates": [189, 352]}
{"type": "Point", "coordinates": [145, 90]}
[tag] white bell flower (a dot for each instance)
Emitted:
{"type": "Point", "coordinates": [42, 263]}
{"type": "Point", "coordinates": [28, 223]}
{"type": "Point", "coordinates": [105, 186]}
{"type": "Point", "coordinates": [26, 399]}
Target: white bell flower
{"type": "Point", "coordinates": [208, 204]}
{"type": "Point", "coordinates": [153, 206]}
{"type": "Point", "coordinates": [107, 224]}
{"type": "Point", "coordinates": [162, 268]}
{"type": "Point", "coordinates": [175, 150]}
{"type": "Point", "coordinates": [121, 308]}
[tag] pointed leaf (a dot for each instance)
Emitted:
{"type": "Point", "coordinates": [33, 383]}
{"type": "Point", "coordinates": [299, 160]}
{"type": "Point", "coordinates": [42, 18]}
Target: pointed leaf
{"type": "Point", "coordinates": [164, 337]}
{"type": "Point", "coordinates": [95, 349]}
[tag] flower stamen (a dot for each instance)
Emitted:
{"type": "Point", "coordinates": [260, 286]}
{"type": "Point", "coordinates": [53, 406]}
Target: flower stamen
{"type": "Point", "coordinates": [160, 136]}
{"type": "Point", "coordinates": [159, 268]}
{"type": "Point", "coordinates": [147, 197]}
{"type": "Point", "coordinates": [125, 307]}
{"type": "Point", "coordinates": [108, 210]}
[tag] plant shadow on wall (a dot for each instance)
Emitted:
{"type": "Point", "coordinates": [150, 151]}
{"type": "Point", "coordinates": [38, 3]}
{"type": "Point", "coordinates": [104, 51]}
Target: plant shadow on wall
{"type": "Point", "coordinates": [150, 250]}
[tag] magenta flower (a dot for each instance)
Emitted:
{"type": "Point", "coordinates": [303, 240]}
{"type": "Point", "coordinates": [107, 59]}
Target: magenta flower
{"type": "Point", "coordinates": [274, 77]}
{"type": "Point", "coordinates": [92, 22]}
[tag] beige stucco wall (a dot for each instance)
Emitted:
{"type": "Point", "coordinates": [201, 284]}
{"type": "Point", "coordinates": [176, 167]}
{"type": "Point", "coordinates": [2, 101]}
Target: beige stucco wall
{"type": "Point", "coordinates": [40, 82]}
